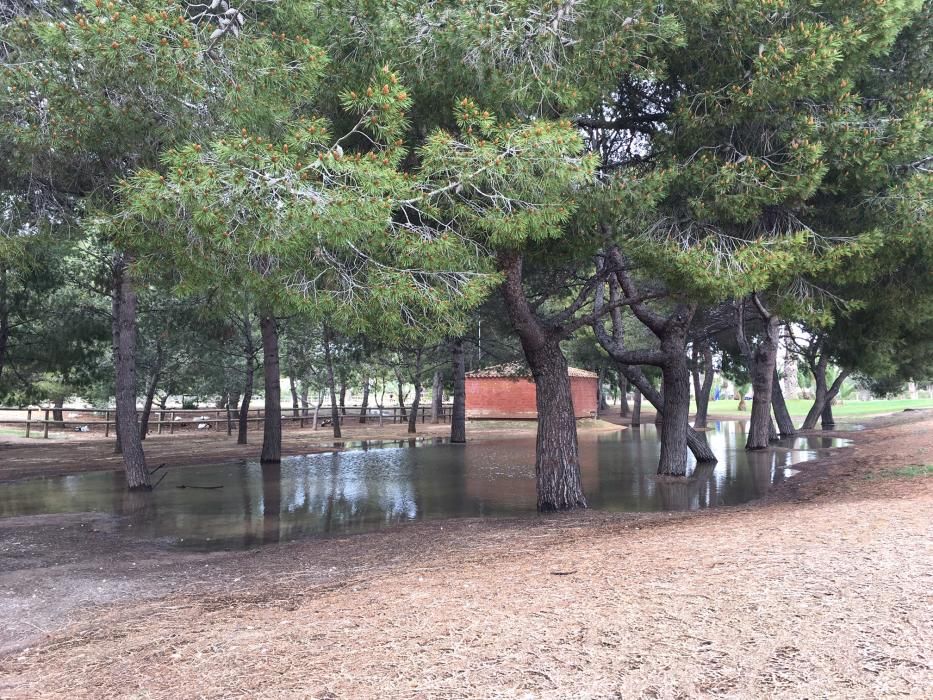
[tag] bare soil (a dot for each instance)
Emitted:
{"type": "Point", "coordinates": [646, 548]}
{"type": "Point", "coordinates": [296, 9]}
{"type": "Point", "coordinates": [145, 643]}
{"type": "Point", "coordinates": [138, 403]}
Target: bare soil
{"type": "Point", "coordinates": [821, 590]}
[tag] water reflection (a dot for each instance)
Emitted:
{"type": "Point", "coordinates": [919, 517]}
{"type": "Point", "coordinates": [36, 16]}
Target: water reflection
{"type": "Point", "coordinates": [376, 486]}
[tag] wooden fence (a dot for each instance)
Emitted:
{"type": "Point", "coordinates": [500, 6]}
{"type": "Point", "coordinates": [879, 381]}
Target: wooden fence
{"type": "Point", "coordinates": [171, 418]}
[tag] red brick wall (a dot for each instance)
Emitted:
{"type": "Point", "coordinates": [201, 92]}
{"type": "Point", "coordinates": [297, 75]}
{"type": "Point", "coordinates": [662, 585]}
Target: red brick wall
{"type": "Point", "coordinates": [511, 397]}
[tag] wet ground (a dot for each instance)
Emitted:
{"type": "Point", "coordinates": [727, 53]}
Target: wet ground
{"type": "Point", "coordinates": [373, 485]}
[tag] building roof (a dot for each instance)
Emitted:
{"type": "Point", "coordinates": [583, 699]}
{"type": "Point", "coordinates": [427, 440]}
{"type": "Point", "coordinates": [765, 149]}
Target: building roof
{"type": "Point", "coordinates": [520, 370]}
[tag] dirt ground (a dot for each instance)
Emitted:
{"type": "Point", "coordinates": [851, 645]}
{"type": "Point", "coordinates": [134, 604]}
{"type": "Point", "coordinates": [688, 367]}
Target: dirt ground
{"type": "Point", "coordinates": [822, 590]}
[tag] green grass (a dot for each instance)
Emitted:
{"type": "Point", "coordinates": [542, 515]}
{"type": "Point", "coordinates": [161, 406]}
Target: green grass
{"type": "Point", "coordinates": [799, 407]}
{"type": "Point", "coordinates": [910, 471]}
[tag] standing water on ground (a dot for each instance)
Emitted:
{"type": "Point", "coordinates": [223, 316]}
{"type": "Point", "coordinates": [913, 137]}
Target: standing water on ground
{"type": "Point", "coordinates": [243, 505]}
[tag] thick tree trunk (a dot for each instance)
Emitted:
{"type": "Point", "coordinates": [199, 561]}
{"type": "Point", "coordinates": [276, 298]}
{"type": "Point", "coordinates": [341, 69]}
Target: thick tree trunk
{"type": "Point", "coordinates": [124, 307]}
{"type": "Point", "coordinates": [761, 364]}
{"type": "Point", "coordinates": [437, 397]}
{"type": "Point", "coordinates": [364, 402]}
{"type": "Point", "coordinates": [272, 418]}
{"type": "Point", "coordinates": [636, 410]}
{"type": "Point", "coordinates": [331, 384]}
{"type": "Point", "coordinates": [702, 389]}
{"type": "Point", "coordinates": [557, 460]}
{"type": "Point", "coordinates": [785, 424]}
{"type": "Point", "coordinates": [304, 398]}
{"type": "Point", "coordinates": [675, 418]}
{"type": "Point", "coordinates": [458, 412]}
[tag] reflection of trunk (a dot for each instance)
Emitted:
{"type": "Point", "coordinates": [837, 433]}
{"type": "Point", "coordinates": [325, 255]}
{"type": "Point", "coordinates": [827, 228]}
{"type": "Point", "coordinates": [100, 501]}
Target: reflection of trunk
{"type": "Point", "coordinates": [329, 361]}
{"type": "Point", "coordinates": [458, 412]}
{"type": "Point", "coordinates": [636, 410]}
{"type": "Point", "coordinates": [416, 380]}
{"type": "Point", "coordinates": [250, 352]}
{"type": "Point", "coordinates": [272, 420]}
{"type": "Point", "coordinates": [437, 397]}
{"type": "Point", "coordinates": [364, 403]}
{"type": "Point", "coordinates": [785, 424]}
{"type": "Point", "coordinates": [701, 389]}
{"type": "Point", "coordinates": [557, 462]}
{"type": "Point", "coordinates": [124, 321]}
{"type": "Point", "coordinates": [271, 502]}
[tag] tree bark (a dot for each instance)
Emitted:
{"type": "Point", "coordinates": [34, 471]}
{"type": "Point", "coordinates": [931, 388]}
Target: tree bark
{"type": "Point", "coordinates": [761, 364]}
{"type": "Point", "coordinates": [124, 321]}
{"type": "Point", "coordinates": [635, 422]}
{"type": "Point", "coordinates": [624, 409]}
{"type": "Point", "coordinates": [785, 424]}
{"type": "Point", "coordinates": [296, 413]}
{"type": "Point", "coordinates": [57, 413]}
{"type": "Point", "coordinates": [272, 417]}
{"type": "Point", "coordinates": [331, 383]}
{"type": "Point", "coordinates": [675, 418]}
{"type": "Point", "coordinates": [343, 397]}
{"type": "Point", "coordinates": [827, 422]}
{"type": "Point", "coordinates": [250, 352]}
{"type": "Point", "coordinates": [4, 320]}
{"type": "Point", "coordinates": [695, 441]}
{"type": "Point", "coordinates": [557, 461]}
{"type": "Point", "coordinates": [147, 405]}
{"type": "Point", "coordinates": [702, 389]}
{"type": "Point", "coordinates": [416, 380]}
{"type": "Point", "coordinates": [458, 412]}
{"type": "Point", "coordinates": [364, 402]}
{"type": "Point", "coordinates": [437, 397]}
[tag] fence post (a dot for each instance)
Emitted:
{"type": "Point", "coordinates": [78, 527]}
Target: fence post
{"type": "Point", "coordinates": [45, 427]}
{"type": "Point", "coordinates": [28, 420]}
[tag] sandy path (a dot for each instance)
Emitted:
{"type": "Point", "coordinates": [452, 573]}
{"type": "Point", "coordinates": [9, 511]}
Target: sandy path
{"type": "Point", "coordinates": [824, 591]}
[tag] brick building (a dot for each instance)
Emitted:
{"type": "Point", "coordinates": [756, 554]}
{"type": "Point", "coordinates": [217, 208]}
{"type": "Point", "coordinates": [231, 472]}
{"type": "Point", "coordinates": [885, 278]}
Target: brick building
{"type": "Point", "coordinates": [508, 391]}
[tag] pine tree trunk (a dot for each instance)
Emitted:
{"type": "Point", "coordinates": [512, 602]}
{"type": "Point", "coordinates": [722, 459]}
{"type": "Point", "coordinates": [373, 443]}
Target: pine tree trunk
{"type": "Point", "coordinates": [416, 380]}
{"type": "Point", "coordinates": [250, 353]}
{"type": "Point", "coordinates": [364, 403]}
{"type": "Point", "coordinates": [827, 422]}
{"type": "Point", "coordinates": [636, 410]}
{"type": "Point", "coordinates": [296, 413]}
{"type": "Point", "coordinates": [4, 320]}
{"type": "Point", "coordinates": [702, 389]}
{"type": "Point", "coordinates": [343, 397]}
{"type": "Point", "coordinates": [624, 409]}
{"type": "Point", "coordinates": [437, 397]}
{"type": "Point", "coordinates": [557, 460]}
{"type": "Point", "coordinates": [763, 371]}
{"type": "Point", "coordinates": [57, 413]}
{"type": "Point", "coordinates": [819, 398]}
{"type": "Point", "coordinates": [124, 307]}
{"type": "Point", "coordinates": [147, 406]}
{"type": "Point", "coordinates": [331, 384]}
{"type": "Point", "coordinates": [458, 412]}
{"type": "Point", "coordinates": [675, 418]}
{"type": "Point", "coordinates": [304, 399]}
{"type": "Point", "coordinates": [695, 441]}
{"type": "Point", "coordinates": [785, 424]}
{"type": "Point", "coordinates": [272, 416]}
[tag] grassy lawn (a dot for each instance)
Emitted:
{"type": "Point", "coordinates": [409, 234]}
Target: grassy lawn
{"type": "Point", "coordinates": [848, 408]}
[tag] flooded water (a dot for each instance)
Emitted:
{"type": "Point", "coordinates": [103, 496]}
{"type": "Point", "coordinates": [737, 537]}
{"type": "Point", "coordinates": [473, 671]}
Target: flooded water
{"type": "Point", "coordinates": [247, 504]}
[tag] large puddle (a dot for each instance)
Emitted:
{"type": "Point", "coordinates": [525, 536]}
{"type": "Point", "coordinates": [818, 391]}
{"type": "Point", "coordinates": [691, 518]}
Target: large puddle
{"type": "Point", "coordinates": [244, 505]}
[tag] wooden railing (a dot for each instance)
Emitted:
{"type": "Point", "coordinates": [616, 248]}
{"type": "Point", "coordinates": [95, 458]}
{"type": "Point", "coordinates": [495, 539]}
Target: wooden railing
{"type": "Point", "coordinates": [43, 417]}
